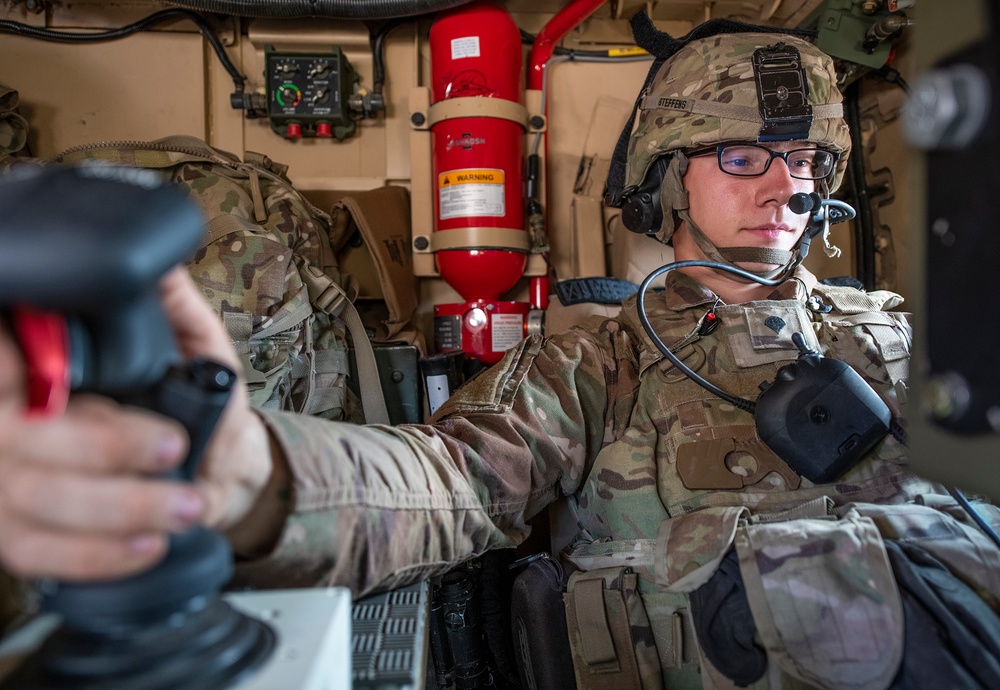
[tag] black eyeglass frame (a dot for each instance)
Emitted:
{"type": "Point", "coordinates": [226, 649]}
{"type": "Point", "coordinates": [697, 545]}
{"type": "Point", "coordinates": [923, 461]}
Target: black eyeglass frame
{"type": "Point", "coordinates": [719, 148]}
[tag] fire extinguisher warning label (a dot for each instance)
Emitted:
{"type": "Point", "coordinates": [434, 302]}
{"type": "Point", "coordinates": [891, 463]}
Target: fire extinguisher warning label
{"type": "Point", "coordinates": [473, 192]}
{"type": "Point", "coordinates": [507, 331]}
{"type": "Point", "coordinates": [467, 46]}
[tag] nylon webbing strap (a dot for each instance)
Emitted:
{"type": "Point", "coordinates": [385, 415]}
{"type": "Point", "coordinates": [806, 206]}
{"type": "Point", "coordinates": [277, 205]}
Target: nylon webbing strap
{"type": "Point", "coordinates": [224, 225]}
{"type": "Point", "coordinates": [762, 255]}
{"type": "Point", "coordinates": [674, 636]}
{"type": "Point", "coordinates": [324, 362]}
{"type": "Point", "coordinates": [614, 554]}
{"type": "Point", "coordinates": [369, 381]}
{"type": "Point", "coordinates": [594, 290]}
{"type": "Point", "coordinates": [259, 210]}
{"type": "Point", "coordinates": [263, 161]}
{"type": "Point", "coordinates": [731, 111]}
{"type": "Point", "coordinates": [598, 647]}
{"type": "Point", "coordinates": [715, 254]}
{"type": "Point", "coordinates": [239, 326]}
{"type": "Point", "coordinates": [330, 298]}
{"type": "Point", "coordinates": [821, 507]}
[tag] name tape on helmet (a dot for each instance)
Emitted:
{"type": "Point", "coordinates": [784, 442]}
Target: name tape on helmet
{"type": "Point", "coordinates": [728, 110]}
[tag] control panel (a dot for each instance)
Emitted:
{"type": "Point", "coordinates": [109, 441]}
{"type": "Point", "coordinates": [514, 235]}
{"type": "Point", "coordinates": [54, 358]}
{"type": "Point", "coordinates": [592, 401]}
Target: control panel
{"type": "Point", "coordinates": [308, 94]}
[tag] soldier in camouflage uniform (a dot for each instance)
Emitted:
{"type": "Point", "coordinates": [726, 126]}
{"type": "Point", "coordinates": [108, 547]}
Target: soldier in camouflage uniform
{"type": "Point", "coordinates": [663, 477]}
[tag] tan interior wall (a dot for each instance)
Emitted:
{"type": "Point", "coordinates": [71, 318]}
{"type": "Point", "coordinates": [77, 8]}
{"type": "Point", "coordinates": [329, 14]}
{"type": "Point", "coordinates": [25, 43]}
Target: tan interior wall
{"type": "Point", "coordinates": [77, 94]}
{"type": "Point", "coordinates": [169, 81]}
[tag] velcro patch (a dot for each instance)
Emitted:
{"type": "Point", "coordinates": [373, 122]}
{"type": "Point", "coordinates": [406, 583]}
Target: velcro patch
{"type": "Point", "coordinates": [761, 332]}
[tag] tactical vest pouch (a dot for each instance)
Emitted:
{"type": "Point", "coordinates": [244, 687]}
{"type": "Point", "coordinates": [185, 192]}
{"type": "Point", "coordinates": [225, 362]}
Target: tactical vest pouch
{"type": "Point", "coordinates": [824, 599]}
{"type": "Point", "coordinates": [267, 266]}
{"type": "Point", "coordinates": [945, 532]}
{"type": "Point", "coordinates": [690, 547]}
{"type": "Point", "coordinates": [609, 632]}
{"type": "Point", "coordinates": [666, 611]}
{"type": "Point", "coordinates": [878, 344]}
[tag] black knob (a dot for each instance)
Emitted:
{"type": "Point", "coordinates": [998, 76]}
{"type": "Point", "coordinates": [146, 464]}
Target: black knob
{"type": "Point", "coordinates": [786, 374]}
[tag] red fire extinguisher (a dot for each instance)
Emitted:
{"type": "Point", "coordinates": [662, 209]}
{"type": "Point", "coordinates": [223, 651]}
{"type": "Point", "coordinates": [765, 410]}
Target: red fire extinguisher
{"type": "Point", "coordinates": [476, 73]}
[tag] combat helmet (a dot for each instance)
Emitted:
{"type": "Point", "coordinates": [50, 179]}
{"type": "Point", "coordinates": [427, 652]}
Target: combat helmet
{"type": "Point", "coordinates": [725, 81]}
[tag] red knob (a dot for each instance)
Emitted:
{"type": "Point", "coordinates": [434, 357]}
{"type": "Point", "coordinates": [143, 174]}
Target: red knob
{"type": "Point", "coordinates": [323, 130]}
{"type": "Point", "coordinates": [44, 339]}
{"type": "Point", "coordinates": [294, 131]}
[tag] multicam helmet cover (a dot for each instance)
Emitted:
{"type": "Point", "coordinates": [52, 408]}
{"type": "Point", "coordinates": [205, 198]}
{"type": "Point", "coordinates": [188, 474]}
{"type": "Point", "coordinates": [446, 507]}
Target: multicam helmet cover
{"type": "Point", "coordinates": [718, 71]}
{"type": "Point", "coordinates": [709, 92]}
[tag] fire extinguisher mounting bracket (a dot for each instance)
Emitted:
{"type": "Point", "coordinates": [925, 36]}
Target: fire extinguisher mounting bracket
{"type": "Point", "coordinates": [480, 238]}
{"type": "Point", "coordinates": [420, 103]}
{"type": "Point", "coordinates": [454, 108]}
{"type": "Point", "coordinates": [537, 121]}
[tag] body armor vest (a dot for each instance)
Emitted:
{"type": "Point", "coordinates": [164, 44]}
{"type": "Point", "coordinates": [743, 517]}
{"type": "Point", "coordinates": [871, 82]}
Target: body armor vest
{"type": "Point", "coordinates": [687, 481]}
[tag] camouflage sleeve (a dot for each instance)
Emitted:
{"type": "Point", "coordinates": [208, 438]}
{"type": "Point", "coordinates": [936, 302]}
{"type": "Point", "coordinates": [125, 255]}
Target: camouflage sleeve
{"type": "Point", "coordinates": [377, 507]}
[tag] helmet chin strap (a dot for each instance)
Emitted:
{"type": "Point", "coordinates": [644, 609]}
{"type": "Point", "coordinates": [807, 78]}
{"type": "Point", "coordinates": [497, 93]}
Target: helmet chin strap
{"type": "Point", "coordinates": [786, 261]}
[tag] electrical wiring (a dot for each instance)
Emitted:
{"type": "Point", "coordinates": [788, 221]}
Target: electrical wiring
{"type": "Point", "coordinates": [20, 29]}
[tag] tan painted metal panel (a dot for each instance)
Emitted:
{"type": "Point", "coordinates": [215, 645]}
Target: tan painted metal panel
{"type": "Point", "coordinates": [143, 87]}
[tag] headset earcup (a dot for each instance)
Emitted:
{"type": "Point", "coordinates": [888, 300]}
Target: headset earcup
{"type": "Point", "coordinates": [638, 212]}
{"type": "Point", "coordinates": [641, 210]}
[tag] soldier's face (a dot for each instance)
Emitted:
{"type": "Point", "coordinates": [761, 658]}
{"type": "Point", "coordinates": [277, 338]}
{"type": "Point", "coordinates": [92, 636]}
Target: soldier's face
{"type": "Point", "coordinates": [736, 211]}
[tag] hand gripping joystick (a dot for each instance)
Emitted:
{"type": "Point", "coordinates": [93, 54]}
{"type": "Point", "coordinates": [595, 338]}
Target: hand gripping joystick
{"type": "Point", "coordinates": [87, 246]}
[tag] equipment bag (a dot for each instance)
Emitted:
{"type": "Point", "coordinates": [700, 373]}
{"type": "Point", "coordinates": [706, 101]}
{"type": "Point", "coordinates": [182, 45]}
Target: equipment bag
{"type": "Point", "coordinates": [375, 225]}
{"type": "Point", "coordinates": [267, 265]}
{"type": "Point", "coordinates": [538, 621]}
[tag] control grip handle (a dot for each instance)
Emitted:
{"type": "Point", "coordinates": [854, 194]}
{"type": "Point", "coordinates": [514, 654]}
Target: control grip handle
{"type": "Point", "coordinates": [195, 394]}
{"type": "Point", "coordinates": [198, 561]}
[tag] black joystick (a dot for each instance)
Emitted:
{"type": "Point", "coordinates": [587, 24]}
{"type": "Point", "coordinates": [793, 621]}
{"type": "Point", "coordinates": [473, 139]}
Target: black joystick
{"type": "Point", "coordinates": [91, 244]}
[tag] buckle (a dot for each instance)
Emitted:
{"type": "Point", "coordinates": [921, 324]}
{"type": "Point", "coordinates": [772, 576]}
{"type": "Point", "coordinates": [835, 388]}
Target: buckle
{"type": "Point", "coordinates": [324, 294]}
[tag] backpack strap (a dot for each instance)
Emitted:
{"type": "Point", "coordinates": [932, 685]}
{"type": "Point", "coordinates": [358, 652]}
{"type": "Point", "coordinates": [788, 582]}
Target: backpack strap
{"type": "Point", "coordinates": [330, 298]}
{"type": "Point", "coordinates": [239, 326]}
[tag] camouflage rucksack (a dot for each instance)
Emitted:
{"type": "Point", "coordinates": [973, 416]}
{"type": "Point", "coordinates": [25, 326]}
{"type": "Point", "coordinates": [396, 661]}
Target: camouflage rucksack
{"type": "Point", "coordinates": [267, 266]}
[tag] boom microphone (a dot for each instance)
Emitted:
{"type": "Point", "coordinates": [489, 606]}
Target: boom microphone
{"type": "Point", "coordinates": [825, 212]}
{"type": "Point", "coordinates": [804, 203]}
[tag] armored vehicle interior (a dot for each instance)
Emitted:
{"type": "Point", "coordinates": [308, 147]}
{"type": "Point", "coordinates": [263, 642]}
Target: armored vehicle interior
{"type": "Point", "coordinates": [342, 93]}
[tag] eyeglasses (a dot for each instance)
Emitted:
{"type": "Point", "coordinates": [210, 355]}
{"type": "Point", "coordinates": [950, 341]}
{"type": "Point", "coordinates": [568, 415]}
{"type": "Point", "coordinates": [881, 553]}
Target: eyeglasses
{"type": "Point", "coordinates": [751, 160]}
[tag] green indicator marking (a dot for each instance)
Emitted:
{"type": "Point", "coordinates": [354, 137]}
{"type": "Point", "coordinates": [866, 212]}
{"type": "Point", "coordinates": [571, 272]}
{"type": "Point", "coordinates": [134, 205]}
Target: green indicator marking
{"type": "Point", "coordinates": [277, 94]}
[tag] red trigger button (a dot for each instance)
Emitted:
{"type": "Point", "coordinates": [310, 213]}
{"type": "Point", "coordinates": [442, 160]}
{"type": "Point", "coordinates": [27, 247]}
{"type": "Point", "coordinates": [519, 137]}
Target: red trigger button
{"type": "Point", "coordinates": [44, 339]}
